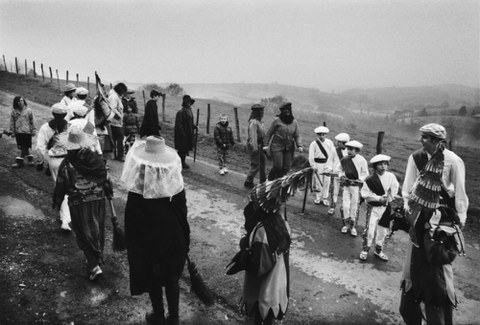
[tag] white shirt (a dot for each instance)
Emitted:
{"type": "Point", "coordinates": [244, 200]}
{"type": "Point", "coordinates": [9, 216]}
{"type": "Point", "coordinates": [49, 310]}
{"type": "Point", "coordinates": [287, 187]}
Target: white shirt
{"type": "Point", "coordinates": [44, 135]}
{"type": "Point", "coordinates": [453, 179]}
{"type": "Point", "coordinates": [390, 186]}
{"type": "Point", "coordinates": [337, 166]}
{"type": "Point", "coordinates": [315, 152]}
{"type": "Point", "coordinates": [115, 103]}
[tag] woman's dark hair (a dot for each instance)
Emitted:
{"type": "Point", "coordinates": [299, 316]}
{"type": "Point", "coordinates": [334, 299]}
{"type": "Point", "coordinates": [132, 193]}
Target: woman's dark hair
{"type": "Point", "coordinates": [277, 233]}
{"type": "Point", "coordinates": [120, 88]}
{"type": "Point", "coordinates": [17, 100]}
{"type": "Point", "coordinates": [256, 114]}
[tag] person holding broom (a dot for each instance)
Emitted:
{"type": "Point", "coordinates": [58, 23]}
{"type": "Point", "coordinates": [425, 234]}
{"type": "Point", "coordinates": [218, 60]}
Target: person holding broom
{"type": "Point", "coordinates": [83, 177]}
{"type": "Point", "coordinates": [156, 227]}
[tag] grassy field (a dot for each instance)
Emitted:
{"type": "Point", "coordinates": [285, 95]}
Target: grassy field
{"type": "Point", "coordinates": [400, 140]}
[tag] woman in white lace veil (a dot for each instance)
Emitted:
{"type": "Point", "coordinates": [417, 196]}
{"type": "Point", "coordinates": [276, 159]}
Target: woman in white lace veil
{"type": "Point", "coordinates": [156, 227]}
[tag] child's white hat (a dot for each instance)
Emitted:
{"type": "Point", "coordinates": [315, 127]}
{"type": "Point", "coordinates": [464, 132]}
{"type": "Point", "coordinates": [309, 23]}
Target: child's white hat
{"type": "Point", "coordinates": [321, 129]}
{"type": "Point", "coordinates": [342, 137]}
{"type": "Point", "coordinates": [379, 158]}
{"type": "Point", "coordinates": [354, 144]}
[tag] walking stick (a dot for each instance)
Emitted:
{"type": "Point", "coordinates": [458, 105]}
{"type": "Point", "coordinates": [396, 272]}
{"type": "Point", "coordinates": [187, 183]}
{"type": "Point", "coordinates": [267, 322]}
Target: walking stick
{"type": "Point", "coordinates": [196, 137]}
{"type": "Point", "coordinates": [118, 234]}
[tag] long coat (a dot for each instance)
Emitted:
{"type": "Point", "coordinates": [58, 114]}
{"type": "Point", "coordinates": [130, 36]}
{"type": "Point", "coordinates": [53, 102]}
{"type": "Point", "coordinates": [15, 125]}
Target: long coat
{"type": "Point", "coordinates": [184, 135]}
{"type": "Point", "coordinates": [283, 136]}
{"type": "Point", "coordinates": [157, 235]}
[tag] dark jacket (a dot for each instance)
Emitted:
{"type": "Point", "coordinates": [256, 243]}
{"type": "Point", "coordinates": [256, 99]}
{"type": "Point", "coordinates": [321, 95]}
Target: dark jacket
{"type": "Point", "coordinates": [130, 103]}
{"type": "Point", "coordinates": [184, 127]}
{"type": "Point", "coordinates": [223, 135]}
{"type": "Point", "coordinates": [283, 136]}
{"type": "Point", "coordinates": [150, 123]}
{"type": "Point", "coordinates": [130, 123]}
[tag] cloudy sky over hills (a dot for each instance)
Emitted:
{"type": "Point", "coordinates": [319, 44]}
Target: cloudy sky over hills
{"type": "Point", "coordinates": [330, 44]}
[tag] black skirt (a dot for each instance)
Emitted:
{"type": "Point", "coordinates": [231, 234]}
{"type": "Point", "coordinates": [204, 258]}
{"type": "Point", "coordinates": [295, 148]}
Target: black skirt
{"type": "Point", "coordinates": [158, 236]}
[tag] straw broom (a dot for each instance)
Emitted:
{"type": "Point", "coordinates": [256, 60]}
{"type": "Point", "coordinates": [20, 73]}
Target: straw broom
{"type": "Point", "coordinates": [118, 234]}
{"type": "Point", "coordinates": [198, 285]}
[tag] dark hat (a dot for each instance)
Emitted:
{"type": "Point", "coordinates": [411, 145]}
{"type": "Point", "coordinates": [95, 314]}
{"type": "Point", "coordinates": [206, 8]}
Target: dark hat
{"type": "Point", "coordinates": [154, 93]}
{"type": "Point", "coordinates": [287, 105]}
{"type": "Point", "coordinates": [187, 100]}
{"type": "Point", "coordinates": [257, 106]}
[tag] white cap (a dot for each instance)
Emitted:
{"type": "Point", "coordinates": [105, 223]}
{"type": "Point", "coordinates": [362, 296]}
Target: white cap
{"type": "Point", "coordinates": [321, 129]}
{"type": "Point", "coordinates": [78, 108]}
{"type": "Point", "coordinates": [379, 158]}
{"type": "Point", "coordinates": [59, 108]}
{"type": "Point", "coordinates": [354, 144]}
{"type": "Point", "coordinates": [81, 91]}
{"type": "Point", "coordinates": [342, 137]}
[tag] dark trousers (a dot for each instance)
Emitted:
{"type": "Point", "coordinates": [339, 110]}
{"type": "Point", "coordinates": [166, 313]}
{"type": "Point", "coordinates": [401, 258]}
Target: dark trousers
{"type": "Point", "coordinates": [435, 315]}
{"type": "Point", "coordinates": [222, 156]}
{"type": "Point", "coordinates": [117, 138]}
{"type": "Point", "coordinates": [282, 162]}
{"type": "Point", "coordinates": [257, 165]}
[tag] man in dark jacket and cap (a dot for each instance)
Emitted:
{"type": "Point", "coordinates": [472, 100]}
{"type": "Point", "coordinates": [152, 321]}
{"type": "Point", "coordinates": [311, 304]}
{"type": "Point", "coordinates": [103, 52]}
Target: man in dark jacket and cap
{"type": "Point", "coordinates": [184, 129]}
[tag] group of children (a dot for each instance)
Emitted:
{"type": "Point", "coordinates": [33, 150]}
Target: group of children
{"type": "Point", "coordinates": [347, 168]}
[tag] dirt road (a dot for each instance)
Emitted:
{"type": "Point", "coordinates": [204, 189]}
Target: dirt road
{"type": "Point", "coordinates": [44, 281]}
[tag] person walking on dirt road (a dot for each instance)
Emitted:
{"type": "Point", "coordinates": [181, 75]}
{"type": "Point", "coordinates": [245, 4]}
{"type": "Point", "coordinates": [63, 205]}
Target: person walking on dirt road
{"type": "Point", "coordinates": [184, 129]}
{"type": "Point", "coordinates": [22, 127]}
{"type": "Point", "coordinates": [151, 124]}
{"type": "Point", "coordinates": [378, 190]}
{"type": "Point", "coordinates": [156, 226]}
{"type": "Point", "coordinates": [51, 155]}
{"type": "Point", "coordinates": [256, 134]}
{"type": "Point", "coordinates": [283, 137]}
{"type": "Point", "coordinates": [434, 177]}
{"type": "Point", "coordinates": [83, 177]}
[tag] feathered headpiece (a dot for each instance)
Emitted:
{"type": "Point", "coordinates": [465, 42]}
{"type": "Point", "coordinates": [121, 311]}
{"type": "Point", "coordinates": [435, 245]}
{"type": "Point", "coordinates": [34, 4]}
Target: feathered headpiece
{"type": "Point", "coordinates": [270, 195]}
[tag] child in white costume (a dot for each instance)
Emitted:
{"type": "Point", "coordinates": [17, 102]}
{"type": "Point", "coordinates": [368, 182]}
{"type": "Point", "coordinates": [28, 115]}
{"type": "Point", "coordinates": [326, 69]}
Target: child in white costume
{"type": "Point", "coordinates": [354, 172]}
{"type": "Point", "coordinates": [378, 190]}
{"type": "Point", "coordinates": [320, 155]}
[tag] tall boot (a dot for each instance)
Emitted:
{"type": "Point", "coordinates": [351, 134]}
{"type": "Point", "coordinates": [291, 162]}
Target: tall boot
{"type": "Point", "coordinates": [19, 162]}
{"type": "Point", "coordinates": [172, 291]}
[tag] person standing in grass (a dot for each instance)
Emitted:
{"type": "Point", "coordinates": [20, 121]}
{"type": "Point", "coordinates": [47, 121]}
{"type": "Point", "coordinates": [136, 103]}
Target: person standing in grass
{"type": "Point", "coordinates": [379, 190]}
{"type": "Point", "coordinates": [340, 151]}
{"type": "Point", "coordinates": [283, 137]}
{"type": "Point", "coordinates": [256, 134]}
{"type": "Point", "coordinates": [151, 123]}
{"type": "Point", "coordinates": [22, 127]}
{"type": "Point", "coordinates": [184, 129]}
{"type": "Point", "coordinates": [354, 172]}
{"type": "Point", "coordinates": [320, 155]}
{"type": "Point", "coordinates": [223, 136]}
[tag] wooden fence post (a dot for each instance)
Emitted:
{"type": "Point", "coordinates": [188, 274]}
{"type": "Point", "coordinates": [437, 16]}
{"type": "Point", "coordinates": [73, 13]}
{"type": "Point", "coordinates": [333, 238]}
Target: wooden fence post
{"type": "Point", "coordinates": [58, 78]}
{"type": "Point", "coordinates": [88, 84]}
{"type": "Point", "coordinates": [144, 103]}
{"type": "Point", "coordinates": [208, 119]}
{"type": "Point", "coordinates": [5, 63]}
{"type": "Point", "coordinates": [34, 70]}
{"type": "Point", "coordinates": [163, 107]}
{"type": "Point", "coordinates": [237, 124]}
{"type": "Point", "coordinates": [380, 136]}
{"type": "Point", "coordinates": [26, 68]}
{"type": "Point", "coordinates": [66, 77]}
{"type": "Point", "coordinates": [16, 65]}
{"type": "Point", "coordinates": [51, 74]}
{"type": "Point", "coordinates": [77, 79]}
{"type": "Point", "coordinates": [43, 75]}
{"type": "Point", "coordinates": [111, 87]}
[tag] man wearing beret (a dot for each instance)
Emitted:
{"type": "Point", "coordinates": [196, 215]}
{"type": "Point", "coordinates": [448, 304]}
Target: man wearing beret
{"type": "Point", "coordinates": [320, 155]}
{"type": "Point", "coordinates": [434, 177]}
{"type": "Point", "coordinates": [47, 136]}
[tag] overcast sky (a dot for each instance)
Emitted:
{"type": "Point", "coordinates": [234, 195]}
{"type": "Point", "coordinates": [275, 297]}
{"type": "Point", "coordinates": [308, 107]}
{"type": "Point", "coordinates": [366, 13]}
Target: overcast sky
{"type": "Point", "coordinates": [323, 44]}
